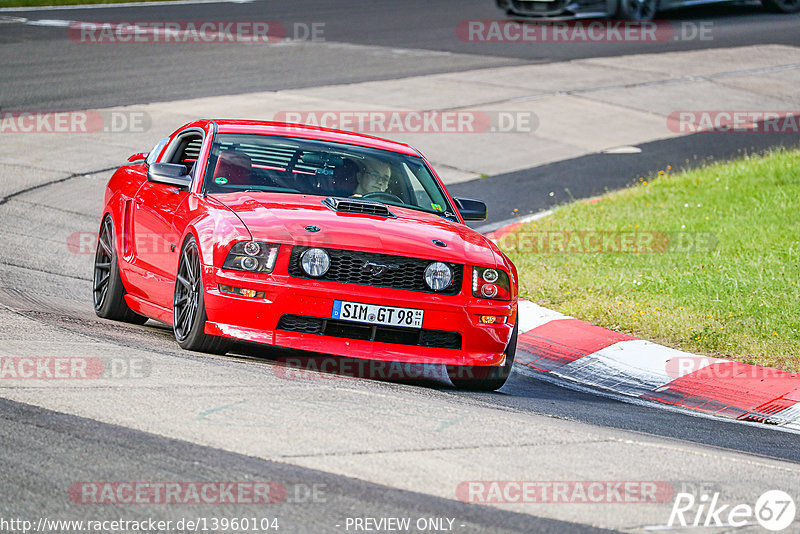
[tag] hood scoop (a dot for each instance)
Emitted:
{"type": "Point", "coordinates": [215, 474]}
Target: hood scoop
{"type": "Point", "coordinates": [352, 205]}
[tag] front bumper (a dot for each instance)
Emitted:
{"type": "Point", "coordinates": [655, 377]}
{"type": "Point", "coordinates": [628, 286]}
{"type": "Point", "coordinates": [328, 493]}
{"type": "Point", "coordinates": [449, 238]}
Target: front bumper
{"type": "Point", "coordinates": [256, 320]}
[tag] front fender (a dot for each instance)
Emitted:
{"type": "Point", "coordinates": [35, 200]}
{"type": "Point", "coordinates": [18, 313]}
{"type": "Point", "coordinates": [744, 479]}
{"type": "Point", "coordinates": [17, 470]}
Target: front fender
{"type": "Point", "coordinates": [216, 229]}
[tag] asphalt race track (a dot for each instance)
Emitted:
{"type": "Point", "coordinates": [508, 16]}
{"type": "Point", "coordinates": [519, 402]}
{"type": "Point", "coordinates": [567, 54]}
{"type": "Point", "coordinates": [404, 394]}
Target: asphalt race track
{"type": "Point", "coordinates": [372, 448]}
{"type": "Point", "coordinates": [44, 69]}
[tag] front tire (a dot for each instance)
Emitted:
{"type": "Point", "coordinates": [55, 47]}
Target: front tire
{"type": "Point", "coordinates": [188, 305]}
{"type": "Point", "coordinates": [485, 378]}
{"type": "Point", "coordinates": [781, 6]}
{"type": "Point", "coordinates": [637, 10]}
{"type": "Point", "coordinates": [108, 290]}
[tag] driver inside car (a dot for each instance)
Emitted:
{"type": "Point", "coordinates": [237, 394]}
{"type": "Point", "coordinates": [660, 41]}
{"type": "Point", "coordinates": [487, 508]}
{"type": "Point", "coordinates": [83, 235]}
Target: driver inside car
{"type": "Point", "coordinates": [373, 177]}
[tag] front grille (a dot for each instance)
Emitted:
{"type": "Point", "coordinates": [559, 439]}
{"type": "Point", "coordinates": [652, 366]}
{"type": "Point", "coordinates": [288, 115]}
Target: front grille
{"type": "Point", "coordinates": [347, 266]}
{"type": "Point", "coordinates": [298, 323]}
{"type": "Point", "coordinates": [438, 339]}
{"type": "Point", "coordinates": [346, 205]}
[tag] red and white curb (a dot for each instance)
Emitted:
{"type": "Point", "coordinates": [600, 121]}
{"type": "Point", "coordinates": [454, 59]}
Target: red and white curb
{"type": "Point", "coordinates": [555, 343]}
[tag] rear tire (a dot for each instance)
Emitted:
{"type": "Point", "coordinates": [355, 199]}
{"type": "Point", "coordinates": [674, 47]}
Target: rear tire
{"type": "Point", "coordinates": [108, 291]}
{"type": "Point", "coordinates": [188, 305]}
{"type": "Point", "coordinates": [482, 377]}
{"type": "Point", "coordinates": [781, 6]}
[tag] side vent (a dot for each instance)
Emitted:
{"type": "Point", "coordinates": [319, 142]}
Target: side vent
{"type": "Point", "coordinates": [350, 205]}
{"type": "Point", "coordinates": [127, 242]}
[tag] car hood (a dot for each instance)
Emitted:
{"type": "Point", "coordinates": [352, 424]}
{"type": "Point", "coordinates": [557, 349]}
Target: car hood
{"type": "Point", "coordinates": [283, 218]}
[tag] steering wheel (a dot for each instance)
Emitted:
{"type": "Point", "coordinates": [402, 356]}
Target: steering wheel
{"type": "Point", "coordinates": [383, 196]}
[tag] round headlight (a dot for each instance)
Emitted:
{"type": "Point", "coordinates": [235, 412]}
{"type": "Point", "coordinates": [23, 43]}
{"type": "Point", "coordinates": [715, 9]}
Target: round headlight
{"type": "Point", "coordinates": [490, 275]}
{"type": "Point", "coordinates": [249, 263]}
{"type": "Point", "coordinates": [251, 248]}
{"type": "Point", "coordinates": [315, 262]}
{"type": "Point", "coordinates": [438, 276]}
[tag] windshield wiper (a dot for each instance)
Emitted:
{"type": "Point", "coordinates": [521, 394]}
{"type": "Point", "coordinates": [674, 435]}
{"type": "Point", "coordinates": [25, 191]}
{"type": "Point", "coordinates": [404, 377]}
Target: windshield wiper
{"type": "Point", "coordinates": [450, 216]}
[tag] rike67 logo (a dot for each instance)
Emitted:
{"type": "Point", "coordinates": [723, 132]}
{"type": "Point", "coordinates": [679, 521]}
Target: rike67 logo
{"type": "Point", "coordinates": [774, 510]}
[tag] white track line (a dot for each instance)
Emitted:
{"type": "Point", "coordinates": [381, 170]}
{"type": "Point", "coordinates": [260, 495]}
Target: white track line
{"type": "Point", "coordinates": [124, 4]}
{"type": "Point", "coordinates": [532, 315]}
{"type": "Point", "coordinates": [491, 227]}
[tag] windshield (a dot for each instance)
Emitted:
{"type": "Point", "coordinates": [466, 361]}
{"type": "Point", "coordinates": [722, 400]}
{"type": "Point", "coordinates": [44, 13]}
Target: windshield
{"type": "Point", "coordinates": [303, 166]}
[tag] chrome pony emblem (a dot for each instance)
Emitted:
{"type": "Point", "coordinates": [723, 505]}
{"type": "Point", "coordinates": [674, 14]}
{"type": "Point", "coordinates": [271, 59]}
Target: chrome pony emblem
{"type": "Point", "coordinates": [375, 269]}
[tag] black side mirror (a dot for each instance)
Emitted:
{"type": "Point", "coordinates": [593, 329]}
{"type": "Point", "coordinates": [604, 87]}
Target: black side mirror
{"type": "Point", "coordinates": [169, 174]}
{"type": "Point", "coordinates": [471, 210]}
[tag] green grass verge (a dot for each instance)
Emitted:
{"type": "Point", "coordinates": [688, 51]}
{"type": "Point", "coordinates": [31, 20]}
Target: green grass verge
{"type": "Point", "coordinates": [35, 3]}
{"type": "Point", "coordinates": [717, 269]}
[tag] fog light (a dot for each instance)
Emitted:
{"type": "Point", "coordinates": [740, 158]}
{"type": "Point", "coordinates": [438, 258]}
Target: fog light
{"type": "Point", "coordinates": [242, 292]}
{"type": "Point", "coordinates": [315, 262]}
{"type": "Point", "coordinates": [438, 276]}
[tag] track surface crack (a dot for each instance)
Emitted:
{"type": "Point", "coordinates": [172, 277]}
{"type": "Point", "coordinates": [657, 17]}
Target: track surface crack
{"type": "Point", "coordinates": [57, 181]}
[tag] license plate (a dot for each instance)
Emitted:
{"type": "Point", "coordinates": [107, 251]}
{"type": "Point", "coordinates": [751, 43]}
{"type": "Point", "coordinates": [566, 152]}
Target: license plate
{"type": "Point", "coordinates": [374, 314]}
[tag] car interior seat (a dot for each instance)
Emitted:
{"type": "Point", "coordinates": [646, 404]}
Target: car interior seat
{"type": "Point", "coordinates": [236, 166]}
{"type": "Point", "coordinates": [345, 179]}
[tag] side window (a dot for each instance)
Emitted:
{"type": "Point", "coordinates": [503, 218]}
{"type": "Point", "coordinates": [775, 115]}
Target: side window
{"type": "Point", "coordinates": [187, 151]}
{"type": "Point", "coordinates": [152, 157]}
{"type": "Point", "coordinates": [429, 198]}
{"type": "Point", "coordinates": [420, 194]}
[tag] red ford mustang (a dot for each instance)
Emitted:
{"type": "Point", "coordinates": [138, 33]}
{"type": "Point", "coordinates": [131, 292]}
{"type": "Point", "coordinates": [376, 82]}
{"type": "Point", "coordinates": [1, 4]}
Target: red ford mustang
{"type": "Point", "coordinates": [305, 238]}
